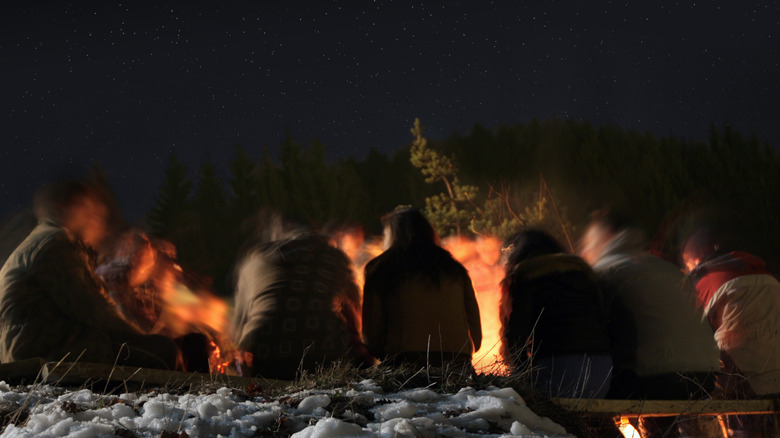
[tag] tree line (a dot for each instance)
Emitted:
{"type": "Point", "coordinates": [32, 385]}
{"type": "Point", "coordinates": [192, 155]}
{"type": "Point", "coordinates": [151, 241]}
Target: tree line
{"type": "Point", "coordinates": [548, 173]}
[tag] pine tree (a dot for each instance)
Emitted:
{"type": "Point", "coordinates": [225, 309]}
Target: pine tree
{"type": "Point", "coordinates": [213, 248]}
{"type": "Point", "coordinates": [172, 202]}
{"type": "Point", "coordinates": [450, 212]}
{"type": "Point", "coordinates": [244, 185]}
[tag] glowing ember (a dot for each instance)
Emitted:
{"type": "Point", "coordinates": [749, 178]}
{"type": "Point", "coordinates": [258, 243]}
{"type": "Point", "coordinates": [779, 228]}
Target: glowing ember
{"type": "Point", "coordinates": [627, 429]}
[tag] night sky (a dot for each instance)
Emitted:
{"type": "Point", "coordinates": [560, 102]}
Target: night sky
{"type": "Point", "coordinates": [126, 85]}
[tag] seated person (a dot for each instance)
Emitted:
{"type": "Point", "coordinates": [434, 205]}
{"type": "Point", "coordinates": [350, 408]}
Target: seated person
{"type": "Point", "coordinates": [296, 305]}
{"type": "Point", "coordinates": [741, 301]}
{"type": "Point", "coordinates": [52, 305]}
{"type": "Point", "coordinates": [553, 318]}
{"type": "Point", "coordinates": [419, 305]}
{"type": "Point", "coordinates": [661, 347]}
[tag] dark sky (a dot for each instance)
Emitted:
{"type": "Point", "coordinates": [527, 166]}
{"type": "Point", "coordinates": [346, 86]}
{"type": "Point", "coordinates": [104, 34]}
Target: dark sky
{"type": "Point", "coordinates": [126, 84]}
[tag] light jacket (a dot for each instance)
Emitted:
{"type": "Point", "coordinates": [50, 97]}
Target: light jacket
{"type": "Point", "coordinates": [52, 304]}
{"type": "Point", "coordinates": [654, 325]}
{"type": "Point", "coordinates": [741, 300]}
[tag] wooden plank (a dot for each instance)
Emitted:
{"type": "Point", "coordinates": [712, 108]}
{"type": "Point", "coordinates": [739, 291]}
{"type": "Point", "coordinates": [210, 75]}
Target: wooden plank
{"type": "Point", "coordinates": [26, 369]}
{"type": "Point", "coordinates": [78, 373]}
{"type": "Point", "coordinates": [665, 408]}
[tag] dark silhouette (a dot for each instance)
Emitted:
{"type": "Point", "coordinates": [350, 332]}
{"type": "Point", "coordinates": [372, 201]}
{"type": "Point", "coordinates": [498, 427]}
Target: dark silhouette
{"type": "Point", "coordinates": [554, 322]}
{"type": "Point", "coordinates": [418, 302]}
{"type": "Point", "coordinates": [296, 304]}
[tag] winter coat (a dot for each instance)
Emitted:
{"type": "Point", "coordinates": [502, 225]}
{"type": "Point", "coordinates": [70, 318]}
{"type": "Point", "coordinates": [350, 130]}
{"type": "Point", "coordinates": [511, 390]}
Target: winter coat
{"type": "Point", "coordinates": [741, 300]}
{"type": "Point", "coordinates": [654, 325]}
{"type": "Point", "coordinates": [555, 302]}
{"type": "Point", "coordinates": [410, 311]}
{"type": "Point", "coordinates": [296, 306]}
{"type": "Point", "coordinates": [52, 304]}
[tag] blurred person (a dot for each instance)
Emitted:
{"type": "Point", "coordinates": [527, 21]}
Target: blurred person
{"type": "Point", "coordinates": [419, 304]}
{"type": "Point", "coordinates": [129, 276]}
{"type": "Point", "coordinates": [142, 278]}
{"type": "Point", "coordinates": [741, 301]}
{"type": "Point", "coordinates": [554, 322]}
{"type": "Point", "coordinates": [52, 304]}
{"type": "Point", "coordinates": [661, 348]}
{"type": "Point", "coordinates": [296, 304]}
{"type": "Point", "coordinates": [13, 230]}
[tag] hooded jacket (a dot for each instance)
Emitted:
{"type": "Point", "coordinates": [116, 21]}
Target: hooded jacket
{"type": "Point", "coordinates": [654, 325]}
{"type": "Point", "coordinates": [741, 300]}
{"type": "Point", "coordinates": [52, 304]}
{"type": "Point", "coordinates": [554, 300]}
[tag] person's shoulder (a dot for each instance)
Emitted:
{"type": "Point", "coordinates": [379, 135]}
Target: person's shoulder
{"type": "Point", "coordinates": [381, 261]}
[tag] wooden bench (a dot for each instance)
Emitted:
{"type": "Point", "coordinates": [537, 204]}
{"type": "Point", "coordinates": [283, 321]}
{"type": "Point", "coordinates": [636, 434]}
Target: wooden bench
{"type": "Point", "coordinates": [37, 370]}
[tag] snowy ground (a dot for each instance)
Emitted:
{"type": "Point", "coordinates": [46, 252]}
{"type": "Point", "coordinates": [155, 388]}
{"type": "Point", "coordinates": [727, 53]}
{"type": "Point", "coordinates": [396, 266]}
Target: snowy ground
{"type": "Point", "coordinates": [362, 410]}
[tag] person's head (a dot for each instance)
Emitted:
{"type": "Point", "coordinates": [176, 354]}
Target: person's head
{"type": "Point", "coordinates": [702, 245]}
{"type": "Point", "coordinates": [530, 243]}
{"type": "Point", "coordinates": [603, 226]}
{"type": "Point", "coordinates": [407, 226]}
{"type": "Point", "coordinates": [76, 205]}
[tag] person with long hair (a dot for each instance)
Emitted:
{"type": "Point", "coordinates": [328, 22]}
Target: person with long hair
{"type": "Point", "coordinates": [554, 320]}
{"type": "Point", "coordinates": [419, 304]}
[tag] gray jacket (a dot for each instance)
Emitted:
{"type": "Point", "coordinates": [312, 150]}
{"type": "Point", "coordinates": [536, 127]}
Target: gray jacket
{"type": "Point", "coordinates": [654, 325]}
{"type": "Point", "coordinates": [51, 303]}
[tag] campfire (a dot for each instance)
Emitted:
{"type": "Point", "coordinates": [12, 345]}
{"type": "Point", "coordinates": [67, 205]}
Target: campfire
{"type": "Point", "coordinates": [163, 298]}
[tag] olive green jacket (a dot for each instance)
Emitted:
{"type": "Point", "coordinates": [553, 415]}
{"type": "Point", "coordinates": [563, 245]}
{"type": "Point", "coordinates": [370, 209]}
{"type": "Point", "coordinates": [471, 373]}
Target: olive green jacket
{"type": "Point", "coordinates": [51, 303]}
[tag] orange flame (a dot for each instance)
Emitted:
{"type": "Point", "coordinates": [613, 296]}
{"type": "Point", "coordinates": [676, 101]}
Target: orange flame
{"type": "Point", "coordinates": [481, 258]}
{"type": "Point", "coordinates": [166, 300]}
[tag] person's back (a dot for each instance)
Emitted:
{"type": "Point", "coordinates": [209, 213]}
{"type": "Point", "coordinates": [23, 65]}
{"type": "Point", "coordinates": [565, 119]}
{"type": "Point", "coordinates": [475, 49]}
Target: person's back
{"type": "Point", "coordinates": [655, 327]}
{"type": "Point", "coordinates": [419, 305]}
{"type": "Point", "coordinates": [661, 347]}
{"type": "Point", "coordinates": [553, 318]}
{"type": "Point", "coordinates": [741, 301]}
{"type": "Point", "coordinates": [292, 307]}
{"type": "Point", "coordinates": [421, 314]}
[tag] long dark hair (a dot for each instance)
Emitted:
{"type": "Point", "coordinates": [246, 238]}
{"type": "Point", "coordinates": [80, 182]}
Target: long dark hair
{"type": "Point", "coordinates": [408, 227]}
{"type": "Point", "coordinates": [414, 247]}
{"type": "Point", "coordinates": [530, 243]}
